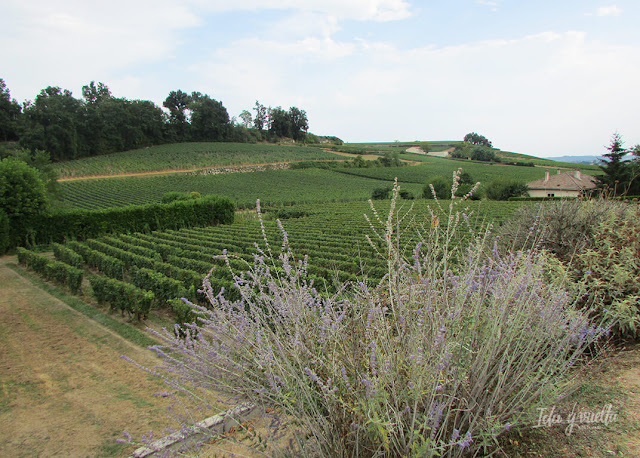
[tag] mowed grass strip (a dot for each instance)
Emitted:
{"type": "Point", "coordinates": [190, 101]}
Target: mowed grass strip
{"type": "Point", "coordinates": [65, 389]}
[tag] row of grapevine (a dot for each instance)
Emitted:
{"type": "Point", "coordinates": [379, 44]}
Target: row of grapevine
{"type": "Point", "coordinates": [161, 266]}
{"type": "Point", "coordinates": [55, 271]}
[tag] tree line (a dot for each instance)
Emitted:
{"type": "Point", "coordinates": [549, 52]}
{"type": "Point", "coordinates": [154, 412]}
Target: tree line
{"type": "Point", "coordinates": [100, 123]}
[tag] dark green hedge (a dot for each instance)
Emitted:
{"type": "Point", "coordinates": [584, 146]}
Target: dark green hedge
{"type": "Point", "coordinates": [84, 224]}
{"type": "Point", "coordinates": [4, 232]}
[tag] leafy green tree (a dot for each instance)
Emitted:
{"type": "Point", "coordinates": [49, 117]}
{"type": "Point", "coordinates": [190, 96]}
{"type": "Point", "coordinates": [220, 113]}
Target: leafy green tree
{"type": "Point", "coordinates": [209, 118]}
{"type": "Point", "coordinates": [10, 113]}
{"type": "Point", "coordinates": [477, 139]}
{"type": "Point", "coordinates": [22, 196]}
{"type": "Point", "coordinates": [177, 103]}
{"type": "Point", "coordinates": [92, 93]}
{"type": "Point", "coordinates": [299, 123]}
{"type": "Point", "coordinates": [247, 119]}
{"type": "Point", "coordinates": [483, 153]}
{"type": "Point", "coordinates": [260, 119]}
{"type": "Point", "coordinates": [503, 188]}
{"type": "Point", "coordinates": [51, 123]}
{"type": "Point", "coordinates": [280, 124]}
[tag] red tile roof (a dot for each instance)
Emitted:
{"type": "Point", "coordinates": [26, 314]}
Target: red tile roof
{"type": "Point", "coordinates": [567, 181]}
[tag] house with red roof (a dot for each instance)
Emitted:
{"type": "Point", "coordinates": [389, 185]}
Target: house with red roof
{"type": "Point", "coordinates": [567, 184]}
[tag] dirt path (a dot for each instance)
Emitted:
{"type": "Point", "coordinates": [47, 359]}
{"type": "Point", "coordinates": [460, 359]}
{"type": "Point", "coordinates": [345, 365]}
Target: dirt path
{"type": "Point", "coordinates": [418, 150]}
{"type": "Point", "coordinates": [64, 388]}
{"type": "Point", "coordinates": [248, 167]}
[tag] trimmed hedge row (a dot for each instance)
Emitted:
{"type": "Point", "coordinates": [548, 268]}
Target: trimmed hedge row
{"type": "Point", "coordinates": [83, 224]}
{"type": "Point", "coordinates": [55, 271]}
{"type": "Point", "coordinates": [122, 296]}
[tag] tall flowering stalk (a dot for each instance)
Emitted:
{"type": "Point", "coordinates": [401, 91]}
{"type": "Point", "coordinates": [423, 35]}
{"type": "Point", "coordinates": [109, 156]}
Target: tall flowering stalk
{"type": "Point", "coordinates": [454, 346]}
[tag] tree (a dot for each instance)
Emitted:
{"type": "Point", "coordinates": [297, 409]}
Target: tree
{"type": "Point", "coordinates": [280, 124]}
{"type": "Point", "coordinates": [52, 123]}
{"type": "Point", "coordinates": [477, 139]}
{"type": "Point", "coordinates": [93, 93]}
{"type": "Point", "coordinates": [503, 188]}
{"type": "Point", "coordinates": [10, 112]}
{"type": "Point", "coordinates": [299, 123]}
{"type": "Point", "coordinates": [22, 196]}
{"type": "Point", "coordinates": [260, 119]}
{"type": "Point", "coordinates": [209, 118]}
{"type": "Point", "coordinates": [177, 103]}
{"type": "Point", "coordinates": [246, 118]}
{"type": "Point", "coordinates": [617, 173]}
{"type": "Point", "coordinates": [482, 153]}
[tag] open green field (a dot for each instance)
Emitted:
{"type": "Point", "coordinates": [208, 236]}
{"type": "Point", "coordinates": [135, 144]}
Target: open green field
{"type": "Point", "coordinates": [185, 156]}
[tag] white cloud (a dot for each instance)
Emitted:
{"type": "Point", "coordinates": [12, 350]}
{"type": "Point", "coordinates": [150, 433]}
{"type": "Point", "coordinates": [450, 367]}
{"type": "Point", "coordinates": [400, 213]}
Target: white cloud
{"type": "Point", "coordinates": [612, 10]}
{"type": "Point", "coordinates": [544, 94]}
{"type": "Point", "coordinates": [490, 3]}
{"type": "Point", "coordinates": [364, 10]}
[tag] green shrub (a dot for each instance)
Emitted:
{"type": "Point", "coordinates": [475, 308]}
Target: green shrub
{"type": "Point", "coordinates": [5, 242]}
{"type": "Point", "coordinates": [504, 188]}
{"type": "Point", "coordinates": [609, 270]}
{"type": "Point", "coordinates": [440, 186]}
{"type": "Point", "coordinates": [381, 193]}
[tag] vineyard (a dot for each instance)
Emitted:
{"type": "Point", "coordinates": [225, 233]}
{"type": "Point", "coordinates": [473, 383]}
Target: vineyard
{"type": "Point", "coordinates": [136, 273]}
{"type": "Point", "coordinates": [185, 156]}
{"type": "Point", "coordinates": [271, 186]}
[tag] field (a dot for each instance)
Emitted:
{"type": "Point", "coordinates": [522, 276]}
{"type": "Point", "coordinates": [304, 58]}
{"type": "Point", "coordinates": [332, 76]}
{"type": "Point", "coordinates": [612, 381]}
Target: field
{"type": "Point", "coordinates": [282, 186]}
{"type": "Point", "coordinates": [271, 186]}
{"type": "Point", "coordinates": [187, 156]}
{"type": "Point", "coordinates": [65, 389]}
{"type": "Point", "coordinates": [322, 212]}
{"type": "Point", "coordinates": [333, 235]}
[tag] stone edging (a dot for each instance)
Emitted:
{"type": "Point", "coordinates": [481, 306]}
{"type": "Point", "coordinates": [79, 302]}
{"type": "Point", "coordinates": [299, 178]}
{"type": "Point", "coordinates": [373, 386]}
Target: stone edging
{"type": "Point", "coordinates": [217, 423]}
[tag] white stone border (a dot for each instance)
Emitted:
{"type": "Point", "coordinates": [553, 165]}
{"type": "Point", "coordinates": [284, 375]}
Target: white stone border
{"type": "Point", "coordinates": [218, 423]}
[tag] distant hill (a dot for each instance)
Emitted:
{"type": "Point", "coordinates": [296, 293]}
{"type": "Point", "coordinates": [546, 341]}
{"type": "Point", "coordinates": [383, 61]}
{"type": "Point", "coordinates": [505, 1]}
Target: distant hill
{"type": "Point", "coordinates": [577, 159]}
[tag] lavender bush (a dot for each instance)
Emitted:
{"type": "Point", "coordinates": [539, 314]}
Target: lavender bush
{"type": "Point", "coordinates": [455, 346]}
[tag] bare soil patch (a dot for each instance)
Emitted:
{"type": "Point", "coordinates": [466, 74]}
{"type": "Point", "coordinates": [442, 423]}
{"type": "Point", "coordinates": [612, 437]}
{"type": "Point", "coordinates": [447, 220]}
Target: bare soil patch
{"type": "Point", "coordinates": [64, 388]}
{"type": "Point", "coordinates": [366, 157]}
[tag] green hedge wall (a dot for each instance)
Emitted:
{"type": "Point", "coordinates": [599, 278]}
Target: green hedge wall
{"type": "Point", "coordinates": [84, 224]}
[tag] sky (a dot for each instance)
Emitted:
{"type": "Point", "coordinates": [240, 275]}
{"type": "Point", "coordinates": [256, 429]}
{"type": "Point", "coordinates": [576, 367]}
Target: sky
{"type": "Point", "coordinates": [544, 77]}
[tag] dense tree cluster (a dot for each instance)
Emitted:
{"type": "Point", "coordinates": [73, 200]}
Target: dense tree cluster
{"type": "Point", "coordinates": [621, 176]}
{"type": "Point", "coordinates": [100, 123]}
{"type": "Point", "coordinates": [477, 139]}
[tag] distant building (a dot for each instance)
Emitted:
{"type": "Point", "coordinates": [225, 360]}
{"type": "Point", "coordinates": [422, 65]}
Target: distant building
{"type": "Point", "coordinates": [567, 184]}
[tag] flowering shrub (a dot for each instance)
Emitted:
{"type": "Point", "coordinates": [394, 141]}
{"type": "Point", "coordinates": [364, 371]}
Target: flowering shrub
{"type": "Point", "coordinates": [453, 347]}
{"type": "Point", "coordinates": [598, 242]}
{"type": "Point", "coordinates": [609, 271]}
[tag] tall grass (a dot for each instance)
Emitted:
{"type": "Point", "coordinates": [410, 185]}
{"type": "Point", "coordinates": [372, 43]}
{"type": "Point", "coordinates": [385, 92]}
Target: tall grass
{"type": "Point", "coordinates": [454, 346]}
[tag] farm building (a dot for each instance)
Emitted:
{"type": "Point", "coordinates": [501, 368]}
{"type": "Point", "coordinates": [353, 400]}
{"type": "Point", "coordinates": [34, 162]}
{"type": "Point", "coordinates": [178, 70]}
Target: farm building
{"type": "Point", "coordinates": [567, 184]}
